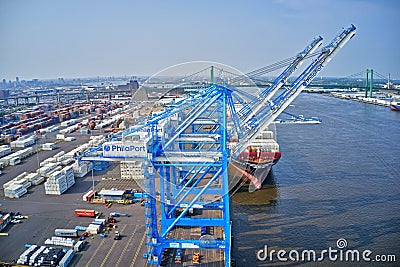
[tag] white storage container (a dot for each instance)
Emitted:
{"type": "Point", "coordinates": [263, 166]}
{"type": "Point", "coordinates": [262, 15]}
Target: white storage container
{"type": "Point", "coordinates": [48, 146]}
{"type": "Point", "coordinates": [60, 137]}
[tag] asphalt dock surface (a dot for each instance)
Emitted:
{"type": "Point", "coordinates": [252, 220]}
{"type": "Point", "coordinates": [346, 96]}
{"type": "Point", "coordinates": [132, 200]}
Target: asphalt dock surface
{"type": "Point", "coordinates": [47, 213]}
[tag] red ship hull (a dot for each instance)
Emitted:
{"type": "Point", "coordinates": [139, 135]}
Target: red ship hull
{"type": "Point", "coordinates": [250, 169]}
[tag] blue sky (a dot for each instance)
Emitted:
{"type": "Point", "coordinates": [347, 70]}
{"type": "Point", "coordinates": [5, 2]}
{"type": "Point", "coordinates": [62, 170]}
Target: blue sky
{"type": "Point", "coordinates": [50, 38]}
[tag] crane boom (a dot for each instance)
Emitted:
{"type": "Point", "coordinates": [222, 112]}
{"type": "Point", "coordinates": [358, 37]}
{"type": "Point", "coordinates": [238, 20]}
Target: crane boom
{"type": "Point", "coordinates": [282, 101]}
{"type": "Point", "coordinates": [254, 107]}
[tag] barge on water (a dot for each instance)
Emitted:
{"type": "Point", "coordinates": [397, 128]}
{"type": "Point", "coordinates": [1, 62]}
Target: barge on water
{"type": "Point", "coordinates": [395, 105]}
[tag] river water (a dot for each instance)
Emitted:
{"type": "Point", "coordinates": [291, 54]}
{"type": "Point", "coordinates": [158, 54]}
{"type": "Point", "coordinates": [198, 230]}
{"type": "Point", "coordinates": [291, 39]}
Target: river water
{"type": "Point", "coordinates": [335, 180]}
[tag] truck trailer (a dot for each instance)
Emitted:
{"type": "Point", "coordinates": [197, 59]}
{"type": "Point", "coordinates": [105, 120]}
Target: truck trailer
{"type": "Point", "coordinates": [86, 213]}
{"type": "Point", "coordinates": [66, 232]}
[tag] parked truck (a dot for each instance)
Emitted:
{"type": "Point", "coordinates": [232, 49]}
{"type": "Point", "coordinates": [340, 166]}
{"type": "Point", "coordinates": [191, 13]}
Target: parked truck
{"type": "Point", "coordinates": [116, 214]}
{"type": "Point", "coordinates": [86, 213]}
{"type": "Point", "coordinates": [117, 235]}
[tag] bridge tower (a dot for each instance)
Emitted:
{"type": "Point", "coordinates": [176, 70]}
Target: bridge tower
{"type": "Point", "coordinates": [389, 86]}
{"type": "Point", "coordinates": [369, 82]}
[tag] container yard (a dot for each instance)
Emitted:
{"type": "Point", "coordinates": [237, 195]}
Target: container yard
{"type": "Point", "coordinates": [57, 218]}
{"type": "Point", "coordinates": [43, 118]}
{"type": "Point", "coordinates": [48, 170]}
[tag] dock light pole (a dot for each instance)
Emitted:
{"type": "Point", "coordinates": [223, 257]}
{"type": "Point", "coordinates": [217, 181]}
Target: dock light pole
{"type": "Point", "coordinates": [92, 180]}
{"type": "Point", "coordinates": [37, 154]}
{"type": "Point", "coordinates": [212, 75]}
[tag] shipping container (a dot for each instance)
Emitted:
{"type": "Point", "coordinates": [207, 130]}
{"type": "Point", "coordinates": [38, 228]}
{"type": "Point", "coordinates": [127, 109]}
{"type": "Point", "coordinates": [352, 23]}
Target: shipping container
{"type": "Point", "coordinates": [66, 232]}
{"type": "Point", "coordinates": [79, 246]}
{"type": "Point", "coordinates": [48, 146]}
{"type": "Point", "coordinates": [86, 213]}
{"type": "Point", "coordinates": [14, 161]}
{"type": "Point", "coordinates": [88, 196]}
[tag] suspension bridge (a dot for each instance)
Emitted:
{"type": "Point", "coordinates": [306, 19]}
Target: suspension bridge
{"type": "Point", "coordinates": [368, 80]}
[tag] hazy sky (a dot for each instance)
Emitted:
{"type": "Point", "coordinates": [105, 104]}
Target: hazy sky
{"type": "Point", "coordinates": [73, 38]}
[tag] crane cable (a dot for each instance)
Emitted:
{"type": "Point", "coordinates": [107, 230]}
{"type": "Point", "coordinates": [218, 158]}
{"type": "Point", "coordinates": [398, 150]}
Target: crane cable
{"type": "Point", "coordinates": [273, 67]}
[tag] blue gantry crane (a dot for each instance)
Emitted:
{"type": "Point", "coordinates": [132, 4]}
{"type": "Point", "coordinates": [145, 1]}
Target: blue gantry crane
{"type": "Point", "coordinates": [191, 173]}
{"type": "Point", "coordinates": [270, 110]}
{"type": "Point", "coordinates": [252, 108]}
{"type": "Point", "coordinates": [190, 146]}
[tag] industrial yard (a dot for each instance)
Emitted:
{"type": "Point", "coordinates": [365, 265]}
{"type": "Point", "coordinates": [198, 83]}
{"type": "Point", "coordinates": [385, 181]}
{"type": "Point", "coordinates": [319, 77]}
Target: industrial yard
{"type": "Point", "coordinates": [47, 213]}
{"type": "Point", "coordinates": [47, 208]}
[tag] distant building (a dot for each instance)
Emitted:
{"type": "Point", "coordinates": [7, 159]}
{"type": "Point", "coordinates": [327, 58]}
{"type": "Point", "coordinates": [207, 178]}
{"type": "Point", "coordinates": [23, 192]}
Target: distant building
{"type": "Point", "coordinates": [60, 81]}
{"type": "Point", "coordinates": [133, 84]}
{"type": "Point", "coordinates": [4, 93]}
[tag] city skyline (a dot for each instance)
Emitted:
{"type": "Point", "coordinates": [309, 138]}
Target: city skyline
{"type": "Point", "coordinates": [48, 39]}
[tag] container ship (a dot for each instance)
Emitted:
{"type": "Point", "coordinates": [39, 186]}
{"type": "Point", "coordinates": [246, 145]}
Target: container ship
{"type": "Point", "coordinates": [250, 169]}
